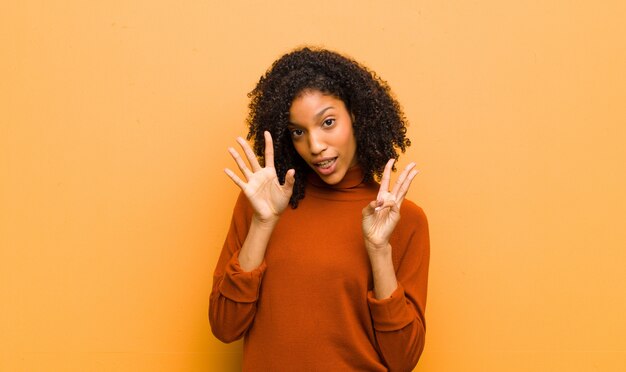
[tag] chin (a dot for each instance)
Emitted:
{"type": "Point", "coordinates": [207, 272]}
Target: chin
{"type": "Point", "coordinates": [333, 179]}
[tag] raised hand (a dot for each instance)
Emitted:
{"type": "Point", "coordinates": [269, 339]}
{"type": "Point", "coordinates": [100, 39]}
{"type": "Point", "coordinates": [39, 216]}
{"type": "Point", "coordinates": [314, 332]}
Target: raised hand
{"type": "Point", "coordinates": [268, 197]}
{"type": "Point", "coordinates": [381, 216]}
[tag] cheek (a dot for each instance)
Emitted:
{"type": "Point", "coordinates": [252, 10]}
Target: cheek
{"type": "Point", "coordinates": [300, 147]}
{"type": "Point", "coordinates": [350, 147]}
{"type": "Point", "coordinates": [347, 139]}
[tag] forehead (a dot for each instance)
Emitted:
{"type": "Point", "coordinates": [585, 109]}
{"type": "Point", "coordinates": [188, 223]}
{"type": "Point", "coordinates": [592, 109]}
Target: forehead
{"type": "Point", "coordinates": [310, 104]}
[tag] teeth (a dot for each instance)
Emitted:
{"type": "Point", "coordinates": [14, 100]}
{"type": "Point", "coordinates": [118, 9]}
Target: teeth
{"type": "Point", "coordinates": [325, 163]}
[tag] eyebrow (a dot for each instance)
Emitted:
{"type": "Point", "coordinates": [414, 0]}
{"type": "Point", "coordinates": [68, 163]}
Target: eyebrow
{"type": "Point", "coordinates": [317, 116]}
{"type": "Point", "coordinates": [323, 111]}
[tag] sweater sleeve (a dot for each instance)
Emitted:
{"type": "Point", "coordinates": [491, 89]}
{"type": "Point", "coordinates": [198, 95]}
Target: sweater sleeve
{"type": "Point", "coordinates": [399, 322]}
{"type": "Point", "coordinates": [232, 304]}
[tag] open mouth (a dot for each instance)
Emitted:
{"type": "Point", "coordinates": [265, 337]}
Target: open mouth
{"type": "Point", "coordinates": [326, 163]}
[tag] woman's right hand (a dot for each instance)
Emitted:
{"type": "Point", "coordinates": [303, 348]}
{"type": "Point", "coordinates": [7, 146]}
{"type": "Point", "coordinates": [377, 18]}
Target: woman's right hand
{"type": "Point", "coordinates": [268, 197]}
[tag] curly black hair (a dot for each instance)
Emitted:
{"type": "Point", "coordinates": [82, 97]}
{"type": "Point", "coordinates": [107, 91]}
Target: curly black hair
{"type": "Point", "coordinates": [378, 121]}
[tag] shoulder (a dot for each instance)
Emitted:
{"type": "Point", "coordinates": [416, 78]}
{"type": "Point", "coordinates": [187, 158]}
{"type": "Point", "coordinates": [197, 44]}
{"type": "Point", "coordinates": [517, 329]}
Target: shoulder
{"type": "Point", "coordinates": [242, 211]}
{"type": "Point", "coordinates": [413, 214]}
{"type": "Point", "coordinates": [413, 225]}
{"type": "Point", "coordinates": [411, 239]}
{"type": "Point", "coordinates": [242, 204]}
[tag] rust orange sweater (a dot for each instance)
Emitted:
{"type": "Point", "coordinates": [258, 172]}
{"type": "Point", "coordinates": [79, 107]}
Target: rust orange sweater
{"type": "Point", "coordinates": [310, 306]}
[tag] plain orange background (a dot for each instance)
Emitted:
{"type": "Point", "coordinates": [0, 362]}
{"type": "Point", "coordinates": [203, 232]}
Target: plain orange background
{"type": "Point", "coordinates": [114, 122]}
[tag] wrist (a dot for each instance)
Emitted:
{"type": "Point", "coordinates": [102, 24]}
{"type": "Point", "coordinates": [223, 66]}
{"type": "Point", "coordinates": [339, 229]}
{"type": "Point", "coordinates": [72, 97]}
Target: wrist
{"type": "Point", "coordinates": [253, 249]}
{"type": "Point", "coordinates": [264, 223]}
{"type": "Point", "coordinates": [381, 256]}
{"type": "Point", "coordinates": [378, 248]}
{"type": "Point", "coordinates": [383, 272]}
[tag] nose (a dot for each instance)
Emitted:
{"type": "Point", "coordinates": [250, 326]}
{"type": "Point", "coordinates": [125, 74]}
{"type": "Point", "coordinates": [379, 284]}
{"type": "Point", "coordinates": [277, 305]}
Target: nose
{"type": "Point", "coordinates": [316, 143]}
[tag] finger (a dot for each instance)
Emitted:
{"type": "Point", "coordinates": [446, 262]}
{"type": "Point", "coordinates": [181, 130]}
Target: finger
{"type": "Point", "coordinates": [401, 179]}
{"type": "Point", "coordinates": [236, 180]}
{"type": "Point", "coordinates": [405, 186]}
{"type": "Point", "coordinates": [389, 203]}
{"type": "Point", "coordinates": [269, 150]}
{"type": "Point", "coordinates": [290, 179]}
{"type": "Point", "coordinates": [240, 163]}
{"type": "Point", "coordinates": [384, 182]}
{"type": "Point", "coordinates": [254, 163]}
{"type": "Point", "coordinates": [369, 209]}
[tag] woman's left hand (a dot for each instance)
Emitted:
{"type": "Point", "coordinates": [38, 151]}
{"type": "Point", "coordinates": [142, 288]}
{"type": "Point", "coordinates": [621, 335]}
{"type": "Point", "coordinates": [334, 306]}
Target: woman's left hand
{"type": "Point", "coordinates": [381, 216]}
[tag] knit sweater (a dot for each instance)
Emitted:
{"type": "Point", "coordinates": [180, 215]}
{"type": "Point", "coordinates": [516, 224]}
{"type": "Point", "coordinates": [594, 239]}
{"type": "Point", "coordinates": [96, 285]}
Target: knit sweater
{"type": "Point", "coordinates": [310, 305]}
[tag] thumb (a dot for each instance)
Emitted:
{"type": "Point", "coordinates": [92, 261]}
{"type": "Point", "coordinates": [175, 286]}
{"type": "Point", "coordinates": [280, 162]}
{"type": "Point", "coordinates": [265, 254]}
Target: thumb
{"type": "Point", "coordinates": [369, 209]}
{"type": "Point", "coordinates": [290, 179]}
{"type": "Point", "coordinates": [387, 204]}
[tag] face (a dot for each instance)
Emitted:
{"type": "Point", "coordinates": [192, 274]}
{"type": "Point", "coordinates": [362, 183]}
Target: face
{"type": "Point", "coordinates": [321, 131]}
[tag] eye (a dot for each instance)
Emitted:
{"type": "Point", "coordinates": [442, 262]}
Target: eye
{"type": "Point", "coordinates": [295, 133]}
{"type": "Point", "coordinates": [328, 123]}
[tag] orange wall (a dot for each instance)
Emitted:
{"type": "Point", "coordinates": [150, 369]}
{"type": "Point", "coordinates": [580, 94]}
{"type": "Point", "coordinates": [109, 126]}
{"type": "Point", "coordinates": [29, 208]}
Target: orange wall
{"type": "Point", "coordinates": [114, 122]}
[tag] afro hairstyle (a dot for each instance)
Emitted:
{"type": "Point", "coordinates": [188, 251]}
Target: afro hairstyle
{"type": "Point", "coordinates": [379, 124]}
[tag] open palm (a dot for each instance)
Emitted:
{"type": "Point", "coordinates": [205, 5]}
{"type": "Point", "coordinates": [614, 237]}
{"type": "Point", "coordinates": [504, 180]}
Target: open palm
{"type": "Point", "coordinates": [261, 186]}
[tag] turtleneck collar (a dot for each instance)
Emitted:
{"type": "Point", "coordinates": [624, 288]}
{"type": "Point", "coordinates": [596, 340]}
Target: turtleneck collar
{"type": "Point", "coordinates": [351, 187]}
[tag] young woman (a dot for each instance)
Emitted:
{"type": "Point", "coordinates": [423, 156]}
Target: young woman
{"type": "Point", "coordinates": [318, 272]}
